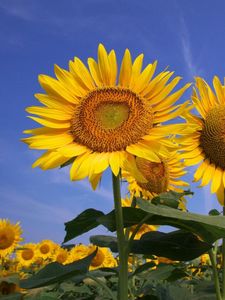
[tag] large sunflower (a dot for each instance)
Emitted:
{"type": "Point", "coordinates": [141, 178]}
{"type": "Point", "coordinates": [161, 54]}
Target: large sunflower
{"type": "Point", "coordinates": [27, 255]}
{"type": "Point", "coordinates": [103, 117]}
{"type": "Point", "coordinates": [207, 143]}
{"type": "Point", "coordinates": [160, 176]}
{"type": "Point", "coordinates": [10, 236]}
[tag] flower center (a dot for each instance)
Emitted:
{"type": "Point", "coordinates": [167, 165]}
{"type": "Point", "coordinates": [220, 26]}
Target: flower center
{"type": "Point", "coordinates": [61, 257]}
{"type": "Point", "coordinates": [44, 249]}
{"type": "Point", "coordinates": [112, 115]}
{"type": "Point", "coordinates": [110, 119]}
{"type": "Point", "coordinates": [155, 173]}
{"type": "Point", "coordinates": [27, 254]}
{"type": "Point", "coordinates": [212, 139]}
{"type": "Point", "coordinates": [6, 238]}
{"type": "Point", "coordinates": [98, 259]}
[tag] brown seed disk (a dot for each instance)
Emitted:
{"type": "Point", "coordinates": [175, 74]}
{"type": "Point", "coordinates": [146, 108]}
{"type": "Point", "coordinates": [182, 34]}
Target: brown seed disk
{"type": "Point", "coordinates": [212, 138]}
{"type": "Point", "coordinates": [155, 173]}
{"type": "Point", "coordinates": [110, 119]}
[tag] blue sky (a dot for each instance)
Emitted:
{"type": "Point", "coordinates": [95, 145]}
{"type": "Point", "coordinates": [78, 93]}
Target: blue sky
{"type": "Point", "coordinates": [187, 36]}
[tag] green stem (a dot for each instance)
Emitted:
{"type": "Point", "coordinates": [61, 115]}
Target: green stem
{"type": "Point", "coordinates": [223, 260]}
{"type": "Point", "coordinates": [212, 256]}
{"type": "Point", "coordinates": [104, 286]}
{"type": "Point", "coordinates": [122, 244]}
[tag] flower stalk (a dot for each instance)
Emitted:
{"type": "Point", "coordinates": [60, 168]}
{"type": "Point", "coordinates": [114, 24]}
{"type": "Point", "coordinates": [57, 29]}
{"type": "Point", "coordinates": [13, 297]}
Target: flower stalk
{"type": "Point", "coordinates": [122, 243]}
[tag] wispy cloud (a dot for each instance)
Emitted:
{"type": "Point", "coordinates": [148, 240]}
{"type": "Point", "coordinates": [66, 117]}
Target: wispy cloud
{"type": "Point", "coordinates": [18, 205]}
{"type": "Point", "coordinates": [191, 66]}
{"type": "Point", "coordinates": [62, 177]}
{"type": "Point", "coordinates": [23, 9]}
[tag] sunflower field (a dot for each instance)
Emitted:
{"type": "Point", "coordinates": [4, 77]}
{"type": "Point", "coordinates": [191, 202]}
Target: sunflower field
{"type": "Point", "coordinates": [126, 118]}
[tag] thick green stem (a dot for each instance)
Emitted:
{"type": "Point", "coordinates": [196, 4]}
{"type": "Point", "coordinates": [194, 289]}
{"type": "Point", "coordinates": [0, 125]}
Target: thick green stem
{"type": "Point", "coordinates": [212, 256]}
{"type": "Point", "coordinates": [223, 260]}
{"type": "Point", "coordinates": [122, 243]}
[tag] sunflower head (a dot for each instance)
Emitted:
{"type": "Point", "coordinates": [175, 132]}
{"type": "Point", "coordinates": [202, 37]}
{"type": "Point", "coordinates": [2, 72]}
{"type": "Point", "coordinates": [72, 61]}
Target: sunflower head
{"type": "Point", "coordinates": [160, 177]}
{"type": "Point", "coordinates": [10, 236]}
{"type": "Point", "coordinates": [46, 248]}
{"type": "Point", "coordinates": [61, 255]}
{"type": "Point", "coordinates": [27, 256]}
{"type": "Point", "coordinates": [103, 116]}
{"type": "Point", "coordinates": [102, 259]}
{"type": "Point", "coordinates": [206, 144]}
{"type": "Point", "coordinates": [78, 252]}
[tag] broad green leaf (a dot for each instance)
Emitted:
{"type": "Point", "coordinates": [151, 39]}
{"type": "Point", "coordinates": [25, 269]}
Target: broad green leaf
{"type": "Point", "coordinates": [209, 228]}
{"type": "Point", "coordinates": [82, 223]}
{"type": "Point", "coordinates": [55, 272]}
{"type": "Point", "coordinates": [14, 296]}
{"type": "Point", "coordinates": [170, 198]}
{"type": "Point", "coordinates": [177, 245]}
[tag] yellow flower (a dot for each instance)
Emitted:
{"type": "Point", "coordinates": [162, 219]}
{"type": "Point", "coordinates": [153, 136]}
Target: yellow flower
{"type": "Point", "coordinates": [102, 259]}
{"type": "Point", "coordinates": [103, 117]}
{"type": "Point", "coordinates": [207, 143]}
{"type": "Point", "coordinates": [10, 236]}
{"type": "Point", "coordinates": [61, 256]}
{"type": "Point", "coordinates": [77, 252]}
{"type": "Point", "coordinates": [27, 255]}
{"type": "Point", "coordinates": [46, 248]}
{"type": "Point", "coordinates": [161, 177]}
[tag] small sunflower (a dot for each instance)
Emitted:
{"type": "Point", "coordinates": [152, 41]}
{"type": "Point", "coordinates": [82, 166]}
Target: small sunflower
{"type": "Point", "coordinates": [10, 236]}
{"type": "Point", "coordinates": [160, 177]}
{"type": "Point", "coordinates": [77, 252]}
{"type": "Point", "coordinates": [46, 248]}
{"type": "Point", "coordinates": [207, 143]}
{"type": "Point", "coordinates": [26, 256]}
{"type": "Point", "coordinates": [98, 117]}
{"type": "Point", "coordinates": [61, 255]}
{"type": "Point", "coordinates": [102, 259]}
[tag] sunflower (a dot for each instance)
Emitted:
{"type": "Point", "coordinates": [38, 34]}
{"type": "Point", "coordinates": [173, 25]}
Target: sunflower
{"type": "Point", "coordinates": [46, 248]}
{"type": "Point", "coordinates": [61, 255]}
{"type": "Point", "coordinates": [97, 117]}
{"type": "Point", "coordinates": [27, 255]}
{"type": "Point", "coordinates": [102, 259]}
{"type": "Point", "coordinates": [207, 143]}
{"type": "Point", "coordinates": [10, 236]}
{"type": "Point", "coordinates": [160, 176]}
{"type": "Point", "coordinates": [77, 252]}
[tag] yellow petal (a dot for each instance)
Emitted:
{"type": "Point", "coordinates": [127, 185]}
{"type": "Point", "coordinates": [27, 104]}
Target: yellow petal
{"type": "Point", "coordinates": [46, 141]}
{"type": "Point", "coordinates": [220, 194]}
{"type": "Point", "coordinates": [57, 103]}
{"type": "Point", "coordinates": [219, 90]}
{"type": "Point", "coordinates": [49, 113]}
{"type": "Point", "coordinates": [198, 174]}
{"type": "Point", "coordinates": [72, 150]}
{"type": "Point", "coordinates": [100, 162]}
{"type": "Point", "coordinates": [83, 73]}
{"type": "Point", "coordinates": [143, 79]}
{"type": "Point", "coordinates": [113, 67]}
{"type": "Point", "coordinates": [208, 174]}
{"type": "Point", "coordinates": [56, 88]}
{"type": "Point", "coordinates": [114, 161]}
{"type": "Point", "coordinates": [50, 160]}
{"type": "Point", "coordinates": [95, 73]}
{"type": "Point", "coordinates": [81, 166]}
{"type": "Point", "coordinates": [94, 180]}
{"type": "Point", "coordinates": [217, 179]}
{"type": "Point", "coordinates": [136, 70]}
{"type": "Point", "coordinates": [51, 123]}
{"type": "Point", "coordinates": [143, 151]}
{"type": "Point", "coordinates": [125, 70]}
{"type": "Point", "coordinates": [103, 64]}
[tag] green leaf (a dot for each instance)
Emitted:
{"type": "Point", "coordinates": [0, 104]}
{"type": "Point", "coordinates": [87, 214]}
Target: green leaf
{"type": "Point", "coordinates": [170, 198]}
{"type": "Point", "coordinates": [14, 296]}
{"type": "Point", "coordinates": [209, 228]}
{"type": "Point", "coordinates": [82, 223]}
{"type": "Point", "coordinates": [214, 212]}
{"type": "Point", "coordinates": [176, 245]}
{"type": "Point", "coordinates": [143, 268]}
{"type": "Point", "coordinates": [55, 272]}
